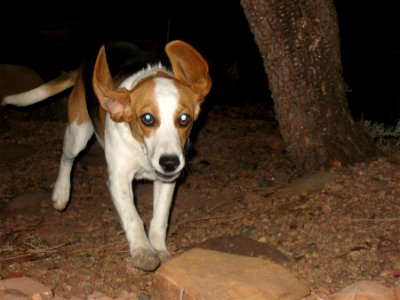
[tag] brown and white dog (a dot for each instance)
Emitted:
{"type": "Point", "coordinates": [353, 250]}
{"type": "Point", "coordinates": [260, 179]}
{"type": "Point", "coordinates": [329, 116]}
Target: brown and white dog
{"type": "Point", "coordinates": [142, 118]}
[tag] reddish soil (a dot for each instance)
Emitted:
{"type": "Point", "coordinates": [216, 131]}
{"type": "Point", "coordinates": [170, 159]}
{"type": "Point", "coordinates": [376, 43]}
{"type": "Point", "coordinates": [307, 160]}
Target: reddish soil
{"type": "Point", "coordinates": [234, 192]}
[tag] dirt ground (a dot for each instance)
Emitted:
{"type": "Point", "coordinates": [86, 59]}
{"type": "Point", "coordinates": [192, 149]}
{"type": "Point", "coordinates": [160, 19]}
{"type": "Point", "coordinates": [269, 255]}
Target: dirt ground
{"type": "Point", "coordinates": [233, 197]}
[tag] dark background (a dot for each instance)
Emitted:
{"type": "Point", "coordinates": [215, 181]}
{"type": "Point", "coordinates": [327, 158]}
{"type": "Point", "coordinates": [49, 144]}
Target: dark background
{"type": "Point", "coordinates": [55, 37]}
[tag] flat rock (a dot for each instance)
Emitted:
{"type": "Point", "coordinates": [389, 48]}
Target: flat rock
{"type": "Point", "coordinates": [24, 288]}
{"type": "Point", "coordinates": [207, 274]}
{"type": "Point", "coordinates": [309, 183]}
{"type": "Point", "coordinates": [366, 290]}
{"type": "Point", "coordinates": [17, 79]}
{"type": "Point", "coordinates": [242, 245]}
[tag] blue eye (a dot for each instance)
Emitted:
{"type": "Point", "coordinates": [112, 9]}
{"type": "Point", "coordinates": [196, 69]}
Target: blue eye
{"type": "Point", "coordinates": [184, 120]}
{"type": "Point", "coordinates": [147, 119]}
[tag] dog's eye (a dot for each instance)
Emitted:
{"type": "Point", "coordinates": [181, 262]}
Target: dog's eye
{"type": "Point", "coordinates": [184, 120]}
{"type": "Point", "coordinates": [147, 119]}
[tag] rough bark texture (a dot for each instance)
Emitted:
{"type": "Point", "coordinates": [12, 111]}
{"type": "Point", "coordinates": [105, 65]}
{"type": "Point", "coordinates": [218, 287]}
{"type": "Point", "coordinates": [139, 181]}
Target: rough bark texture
{"type": "Point", "coordinates": [300, 46]}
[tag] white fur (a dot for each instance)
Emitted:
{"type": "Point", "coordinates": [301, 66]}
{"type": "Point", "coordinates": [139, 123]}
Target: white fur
{"type": "Point", "coordinates": [165, 140]}
{"type": "Point", "coordinates": [75, 139]}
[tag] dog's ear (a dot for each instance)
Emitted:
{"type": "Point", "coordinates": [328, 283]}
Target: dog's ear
{"type": "Point", "coordinates": [189, 67]}
{"type": "Point", "coordinates": [112, 99]}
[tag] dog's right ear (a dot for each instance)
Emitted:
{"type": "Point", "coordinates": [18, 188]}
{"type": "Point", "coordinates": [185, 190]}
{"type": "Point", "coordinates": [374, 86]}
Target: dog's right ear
{"type": "Point", "coordinates": [112, 99]}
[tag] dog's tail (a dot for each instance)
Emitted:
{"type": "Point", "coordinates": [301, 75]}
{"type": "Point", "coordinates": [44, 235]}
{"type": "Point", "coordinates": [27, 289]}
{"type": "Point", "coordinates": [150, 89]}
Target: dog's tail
{"type": "Point", "coordinates": [42, 92]}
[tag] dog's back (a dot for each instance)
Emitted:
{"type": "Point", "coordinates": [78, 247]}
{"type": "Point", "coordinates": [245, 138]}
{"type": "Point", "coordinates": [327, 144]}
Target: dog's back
{"type": "Point", "coordinates": [125, 59]}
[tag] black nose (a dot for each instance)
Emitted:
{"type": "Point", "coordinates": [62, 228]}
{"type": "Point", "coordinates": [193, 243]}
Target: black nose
{"type": "Point", "coordinates": [169, 163]}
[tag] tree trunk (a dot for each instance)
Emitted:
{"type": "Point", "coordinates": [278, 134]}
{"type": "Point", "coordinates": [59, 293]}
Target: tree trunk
{"type": "Point", "coordinates": [300, 47]}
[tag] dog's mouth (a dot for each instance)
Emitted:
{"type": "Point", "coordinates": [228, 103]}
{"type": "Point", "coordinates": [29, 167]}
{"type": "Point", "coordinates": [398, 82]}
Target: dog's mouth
{"type": "Point", "coordinates": [167, 177]}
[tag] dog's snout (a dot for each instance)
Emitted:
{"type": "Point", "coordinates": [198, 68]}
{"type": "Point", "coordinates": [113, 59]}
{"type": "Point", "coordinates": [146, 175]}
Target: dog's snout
{"type": "Point", "coordinates": [169, 163]}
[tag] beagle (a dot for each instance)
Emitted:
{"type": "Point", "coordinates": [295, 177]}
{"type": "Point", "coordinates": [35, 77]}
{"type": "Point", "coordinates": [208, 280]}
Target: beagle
{"type": "Point", "coordinates": [142, 118]}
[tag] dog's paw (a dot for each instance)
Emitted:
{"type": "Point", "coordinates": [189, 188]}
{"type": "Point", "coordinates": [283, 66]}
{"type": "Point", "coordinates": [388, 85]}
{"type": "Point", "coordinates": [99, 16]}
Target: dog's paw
{"type": "Point", "coordinates": [145, 259]}
{"type": "Point", "coordinates": [59, 203]}
{"type": "Point", "coordinates": [164, 256]}
{"type": "Point", "coordinates": [60, 195]}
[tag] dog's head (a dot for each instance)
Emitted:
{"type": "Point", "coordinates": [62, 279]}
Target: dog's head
{"type": "Point", "coordinates": [161, 108]}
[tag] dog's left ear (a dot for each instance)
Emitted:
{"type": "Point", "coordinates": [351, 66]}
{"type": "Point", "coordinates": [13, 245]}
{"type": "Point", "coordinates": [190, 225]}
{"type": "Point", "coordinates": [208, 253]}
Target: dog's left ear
{"type": "Point", "coordinates": [112, 99]}
{"type": "Point", "coordinates": [189, 67]}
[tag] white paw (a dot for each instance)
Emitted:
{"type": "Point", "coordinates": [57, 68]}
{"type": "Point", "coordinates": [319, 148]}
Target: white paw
{"type": "Point", "coordinates": [145, 259]}
{"type": "Point", "coordinates": [60, 197]}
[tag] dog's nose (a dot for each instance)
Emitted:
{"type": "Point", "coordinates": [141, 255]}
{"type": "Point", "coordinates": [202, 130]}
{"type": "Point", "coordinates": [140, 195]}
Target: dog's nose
{"type": "Point", "coordinates": [169, 163]}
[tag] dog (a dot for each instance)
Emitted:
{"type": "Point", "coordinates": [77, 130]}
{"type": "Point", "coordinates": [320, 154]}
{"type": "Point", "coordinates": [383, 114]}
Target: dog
{"type": "Point", "coordinates": [142, 114]}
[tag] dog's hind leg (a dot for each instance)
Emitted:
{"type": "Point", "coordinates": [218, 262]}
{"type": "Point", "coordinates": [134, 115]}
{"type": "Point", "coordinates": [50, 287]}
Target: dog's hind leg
{"type": "Point", "coordinates": [75, 140]}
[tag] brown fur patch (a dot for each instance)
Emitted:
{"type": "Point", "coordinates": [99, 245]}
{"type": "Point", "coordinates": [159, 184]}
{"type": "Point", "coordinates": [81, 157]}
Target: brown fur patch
{"type": "Point", "coordinates": [143, 100]}
{"type": "Point", "coordinates": [77, 110]}
{"type": "Point", "coordinates": [189, 67]}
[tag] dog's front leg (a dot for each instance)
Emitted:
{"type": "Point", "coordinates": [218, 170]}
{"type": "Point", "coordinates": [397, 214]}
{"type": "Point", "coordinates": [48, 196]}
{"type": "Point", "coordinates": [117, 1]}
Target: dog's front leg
{"type": "Point", "coordinates": [163, 194]}
{"type": "Point", "coordinates": [143, 255]}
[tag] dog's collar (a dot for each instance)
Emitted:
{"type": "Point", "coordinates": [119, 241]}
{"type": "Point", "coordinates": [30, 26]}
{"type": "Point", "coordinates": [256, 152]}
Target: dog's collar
{"type": "Point", "coordinates": [158, 73]}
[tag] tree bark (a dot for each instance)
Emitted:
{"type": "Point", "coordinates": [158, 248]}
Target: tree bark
{"type": "Point", "coordinates": [300, 47]}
